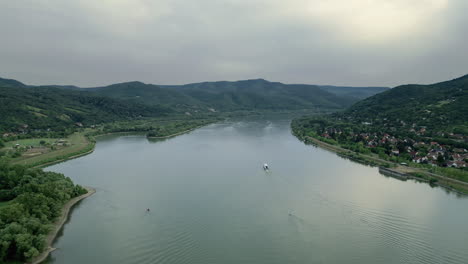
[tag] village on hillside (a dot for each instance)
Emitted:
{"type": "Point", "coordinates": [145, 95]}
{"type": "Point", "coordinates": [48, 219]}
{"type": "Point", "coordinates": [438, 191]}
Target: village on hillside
{"type": "Point", "coordinates": [422, 151]}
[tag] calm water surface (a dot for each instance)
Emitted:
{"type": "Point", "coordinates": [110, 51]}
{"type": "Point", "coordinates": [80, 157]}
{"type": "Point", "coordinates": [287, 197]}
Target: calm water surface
{"type": "Point", "coordinates": [211, 202]}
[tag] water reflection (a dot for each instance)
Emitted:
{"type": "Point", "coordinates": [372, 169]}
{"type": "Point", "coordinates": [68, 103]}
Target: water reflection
{"type": "Point", "coordinates": [211, 202]}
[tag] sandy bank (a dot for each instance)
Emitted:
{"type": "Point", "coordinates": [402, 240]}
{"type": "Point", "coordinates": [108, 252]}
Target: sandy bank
{"type": "Point", "coordinates": [59, 224]}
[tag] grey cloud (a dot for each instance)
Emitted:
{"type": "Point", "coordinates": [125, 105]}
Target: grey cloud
{"type": "Point", "coordinates": [90, 42]}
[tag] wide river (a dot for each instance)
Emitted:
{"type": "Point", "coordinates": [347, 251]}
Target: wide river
{"type": "Point", "coordinates": [211, 202]}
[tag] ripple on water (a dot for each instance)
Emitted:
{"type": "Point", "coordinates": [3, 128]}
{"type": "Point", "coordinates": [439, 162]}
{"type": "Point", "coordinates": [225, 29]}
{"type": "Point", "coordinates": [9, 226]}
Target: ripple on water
{"type": "Point", "coordinates": [396, 231]}
{"type": "Point", "coordinates": [166, 242]}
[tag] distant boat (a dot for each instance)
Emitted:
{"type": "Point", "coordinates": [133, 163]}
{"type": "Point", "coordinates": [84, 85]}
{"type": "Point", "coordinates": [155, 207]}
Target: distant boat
{"type": "Point", "coordinates": [265, 167]}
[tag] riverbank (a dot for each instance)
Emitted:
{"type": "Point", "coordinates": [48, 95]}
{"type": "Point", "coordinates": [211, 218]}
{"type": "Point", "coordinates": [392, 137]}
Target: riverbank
{"type": "Point", "coordinates": [176, 134]}
{"type": "Point", "coordinates": [73, 156]}
{"type": "Point", "coordinates": [82, 143]}
{"type": "Point", "coordinates": [58, 225]}
{"type": "Point", "coordinates": [403, 172]}
{"type": "Point", "coordinates": [73, 146]}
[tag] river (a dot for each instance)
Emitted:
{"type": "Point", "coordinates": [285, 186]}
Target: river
{"type": "Point", "coordinates": [211, 202]}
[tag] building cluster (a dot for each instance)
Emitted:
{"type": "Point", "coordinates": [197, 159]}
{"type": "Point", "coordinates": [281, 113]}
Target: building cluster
{"type": "Point", "coordinates": [423, 152]}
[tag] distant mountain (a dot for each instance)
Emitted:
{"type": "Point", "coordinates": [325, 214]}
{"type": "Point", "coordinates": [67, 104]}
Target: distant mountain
{"type": "Point", "coordinates": [356, 92]}
{"type": "Point", "coordinates": [255, 94]}
{"type": "Point", "coordinates": [439, 106]}
{"type": "Point", "coordinates": [61, 105]}
{"type": "Point", "coordinates": [239, 95]}
{"type": "Point", "coordinates": [24, 107]}
{"type": "Point", "coordinates": [10, 83]}
{"type": "Point", "coordinates": [262, 94]}
{"type": "Point", "coordinates": [227, 96]}
{"type": "Point", "coordinates": [149, 94]}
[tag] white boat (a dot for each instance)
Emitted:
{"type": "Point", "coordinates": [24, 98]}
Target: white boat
{"type": "Point", "coordinates": [265, 167]}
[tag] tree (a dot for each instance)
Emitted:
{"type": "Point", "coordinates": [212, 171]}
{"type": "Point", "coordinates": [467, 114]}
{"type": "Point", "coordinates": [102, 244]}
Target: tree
{"type": "Point", "coordinates": [36, 200]}
{"type": "Point", "coordinates": [440, 159]}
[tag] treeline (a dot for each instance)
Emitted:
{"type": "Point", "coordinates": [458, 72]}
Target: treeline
{"type": "Point", "coordinates": [367, 141]}
{"type": "Point", "coordinates": [176, 127]}
{"type": "Point", "coordinates": [30, 201]}
{"type": "Point", "coordinates": [438, 109]}
{"type": "Point", "coordinates": [231, 96]}
{"type": "Point", "coordinates": [421, 123]}
{"type": "Point", "coordinates": [54, 112]}
{"type": "Point", "coordinates": [161, 126]}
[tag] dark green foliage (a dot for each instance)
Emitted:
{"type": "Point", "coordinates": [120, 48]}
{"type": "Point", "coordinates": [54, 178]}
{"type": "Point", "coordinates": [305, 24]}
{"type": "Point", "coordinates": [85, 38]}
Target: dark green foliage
{"type": "Point", "coordinates": [355, 92]}
{"type": "Point", "coordinates": [57, 111]}
{"type": "Point", "coordinates": [234, 96]}
{"type": "Point", "coordinates": [44, 111]}
{"type": "Point", "coordinates": [405, 123]}
{"type": "Point", "coordinates": [10, 83]}
{"type": "Point", "coordinates": [261, 94]}
{"type": "Point", "coordinates": [148, 94]}
{"type": "Point", "coordinates": [36, 198]}
{"type": "Point", "coordinates": [176, 127]}
{"type": "Point", "coordinates": [438, 107]}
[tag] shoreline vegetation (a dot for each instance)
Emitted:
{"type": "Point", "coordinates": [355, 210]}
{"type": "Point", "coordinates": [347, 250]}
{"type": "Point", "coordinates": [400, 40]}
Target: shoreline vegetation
{"type": "Point", "coordinates": [389, 168]}
{"type": "Point", "coordinates": [83, 142]}
{"type": "Point", "coordinates": [175, 134]}
{"type": "Point", "coordinates": [59, 223]}
{"type": "Point", "coordinates": [34, 204]}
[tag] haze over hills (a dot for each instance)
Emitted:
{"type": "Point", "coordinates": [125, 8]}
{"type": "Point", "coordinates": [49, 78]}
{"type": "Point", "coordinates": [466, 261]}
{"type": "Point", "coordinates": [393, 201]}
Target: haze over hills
{"type": "Point", "coordinates": [356, 92]}
{"type": "Point", "coordinates": [11, 83]}
{"type": "Point", "coordinates": [53, 106]}
{"type": "Point", "coordinates": [240, 95]}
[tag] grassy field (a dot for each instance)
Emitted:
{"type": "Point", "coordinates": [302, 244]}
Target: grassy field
{"type": "Point", "coordinates": [53, 150]}
{"type": "Point", "coordinates": [35, 142]}
{"type": "Point", "coordinates": [77, 144]}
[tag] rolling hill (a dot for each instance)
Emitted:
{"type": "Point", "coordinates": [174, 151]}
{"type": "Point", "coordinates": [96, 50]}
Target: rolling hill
{"type": "Point", "coordinates": [424, 124]}
{"type": "Point", "coordinates": [255, 94]}
{"type": "Point", "coordinates": [56, 109]}
{"type": "Point", "coordinates": [439, 106]}
{"type": "Point", "coordinates": [57, 106]}
{"type": "Point", "coordinates": [354, 92]}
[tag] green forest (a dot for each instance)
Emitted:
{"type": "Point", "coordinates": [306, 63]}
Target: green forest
{"type": "Point", "coordinates": [57, 112]}
{"type": "Point", "coordinates": [30, 201]}
{"type": "Point", "coordinates": [423, 124]}
{"type": "Point", "coordinates": [54, 111]}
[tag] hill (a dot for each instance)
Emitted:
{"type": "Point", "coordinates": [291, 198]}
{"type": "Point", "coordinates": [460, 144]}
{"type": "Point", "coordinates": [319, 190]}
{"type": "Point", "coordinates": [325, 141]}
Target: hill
{"type": "Point", "coordinates": [355, 92]}
{"type": "Point", "coordinates": [262, 94]}
{"type": "Point", "coordinates": [59, 107]}
{"type": "Point", "coordinates": [256, 94]}
{"type": "Point", "coordinates": [248, 95]}
{"type": "Point", "coordinates": [438, 107]}
{"type": "Point", "coordinates": [11, 83]}
{"type": "Point", "coordinates": [149, 94]}
{"type": "Point", "coordinates": [46, 108]}
{"type": "Point", "coordinates": [426, 124]}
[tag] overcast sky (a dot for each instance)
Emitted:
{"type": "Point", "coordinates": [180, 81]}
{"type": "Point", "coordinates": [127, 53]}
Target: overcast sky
{"type": "Point", "coordinates": [338, 42]}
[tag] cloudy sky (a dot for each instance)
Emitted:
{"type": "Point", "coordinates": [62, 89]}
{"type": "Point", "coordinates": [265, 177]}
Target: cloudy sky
{"type": "Point", "coordinates": [340, 42]}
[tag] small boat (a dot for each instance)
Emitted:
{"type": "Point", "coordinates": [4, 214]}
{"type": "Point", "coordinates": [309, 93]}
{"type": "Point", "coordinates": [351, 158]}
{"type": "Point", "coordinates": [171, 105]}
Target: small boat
{"type": "Point", "coordinates": [265, 167]}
